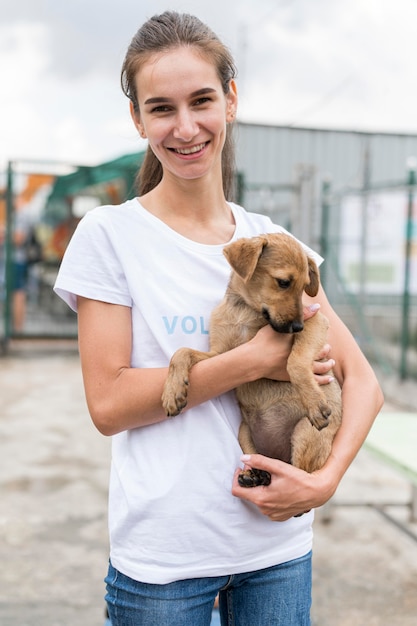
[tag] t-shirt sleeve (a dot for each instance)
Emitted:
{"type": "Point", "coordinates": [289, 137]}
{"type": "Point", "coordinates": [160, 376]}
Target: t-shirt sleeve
{"type": "Point", "coordinates": [92, 266]}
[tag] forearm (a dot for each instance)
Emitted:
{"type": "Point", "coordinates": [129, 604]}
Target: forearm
{"type": "Point", "coordinates": [362, 400]}
{"type": "Point", "coordinates": [131, 397]}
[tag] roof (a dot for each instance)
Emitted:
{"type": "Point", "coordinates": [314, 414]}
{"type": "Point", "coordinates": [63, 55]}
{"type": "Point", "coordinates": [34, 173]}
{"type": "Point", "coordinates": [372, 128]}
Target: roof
{"type": "Point", "coordinates": [84, 177]}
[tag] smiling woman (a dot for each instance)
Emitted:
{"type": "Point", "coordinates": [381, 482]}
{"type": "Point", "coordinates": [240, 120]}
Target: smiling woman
{"type": "Point", "coordinates": [145, 277]}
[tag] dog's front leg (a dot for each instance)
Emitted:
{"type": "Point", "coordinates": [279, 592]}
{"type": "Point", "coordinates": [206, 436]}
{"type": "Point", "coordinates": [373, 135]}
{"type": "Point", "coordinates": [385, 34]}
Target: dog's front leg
{"type": "Point", "coordinates": [307, 345]}
{"type": "Point", "coordinates": [175, 392]}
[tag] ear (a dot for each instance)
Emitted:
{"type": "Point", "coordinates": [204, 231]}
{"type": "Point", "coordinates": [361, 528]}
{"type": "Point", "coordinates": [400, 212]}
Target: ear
{"type": "Point", "coordinates": [232, 100]}
{"type": "Point", "coordinates": [136, 120]}
{"type": "Point", "coordinates": [313, 287]}
{"type": "Point", "coordinates": [243, 255]}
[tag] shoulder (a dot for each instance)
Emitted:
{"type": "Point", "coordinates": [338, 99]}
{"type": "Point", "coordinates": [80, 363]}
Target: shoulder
{"type": "Point", "coordinates": [108, 213]}
{"type": "Point", "coordinates": [105, 221]}
{"type": "Point", "coordinates": [256, 222]}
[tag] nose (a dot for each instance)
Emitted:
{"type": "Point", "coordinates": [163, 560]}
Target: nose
{"type": "Point", "coordinates": [297, 327]}
{"type": "Point", "coordinates": [186, 127]}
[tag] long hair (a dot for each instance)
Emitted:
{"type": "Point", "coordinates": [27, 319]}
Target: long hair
{"type": "Point", "coordinates": [165, 32]}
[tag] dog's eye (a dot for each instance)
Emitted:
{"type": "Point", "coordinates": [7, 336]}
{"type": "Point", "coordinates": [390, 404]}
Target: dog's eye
{"type": "Point", "coordinates": [283, 283]}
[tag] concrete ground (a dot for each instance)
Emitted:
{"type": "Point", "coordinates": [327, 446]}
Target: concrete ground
{"type": "Point", "coordinates": [53, 533]}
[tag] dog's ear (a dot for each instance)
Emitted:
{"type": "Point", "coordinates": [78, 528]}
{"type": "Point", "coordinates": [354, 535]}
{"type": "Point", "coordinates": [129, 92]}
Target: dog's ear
{"type": "Point", "coordinates": [313, 271]}
{"type": "Point", "coordinates": [243, 255]}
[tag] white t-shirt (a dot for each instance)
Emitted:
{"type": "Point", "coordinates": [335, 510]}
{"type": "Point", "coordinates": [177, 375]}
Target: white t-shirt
{"type": "Point", "coordinates": [171, 512]}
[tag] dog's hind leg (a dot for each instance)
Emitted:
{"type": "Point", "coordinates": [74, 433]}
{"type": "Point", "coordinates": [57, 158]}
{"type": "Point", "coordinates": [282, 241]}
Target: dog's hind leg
{"type": "Point", "coordinates": [250, 477]}
{"type": "Point", "coordinates": [311, 447]}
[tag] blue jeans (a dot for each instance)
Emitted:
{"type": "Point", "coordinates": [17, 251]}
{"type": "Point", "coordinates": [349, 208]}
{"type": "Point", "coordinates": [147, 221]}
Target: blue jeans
{"type": "Point", "coordinates": [275, 596]}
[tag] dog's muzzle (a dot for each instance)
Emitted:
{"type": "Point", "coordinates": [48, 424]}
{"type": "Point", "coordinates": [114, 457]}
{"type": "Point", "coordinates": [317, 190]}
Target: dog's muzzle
{"type": "Point", "coordinates": [287, 327]}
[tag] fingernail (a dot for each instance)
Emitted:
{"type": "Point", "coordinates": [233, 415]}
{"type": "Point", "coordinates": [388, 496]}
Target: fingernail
{"type": "Point", "coordinates": [331, 379]}
{"type": "Point", "coordinates": [245, 457]}
{"type": "Point", "coordinates": [314, 307]}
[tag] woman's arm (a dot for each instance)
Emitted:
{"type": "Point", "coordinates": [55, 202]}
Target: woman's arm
{"type": "Point", "coordinates": [293, 491]}
{"type": "Point", "coordinates": [120, 397]}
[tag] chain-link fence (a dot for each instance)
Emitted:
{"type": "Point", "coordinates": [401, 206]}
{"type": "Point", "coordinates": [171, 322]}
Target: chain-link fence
{"type": "Point", "coordinates": [370, 274]}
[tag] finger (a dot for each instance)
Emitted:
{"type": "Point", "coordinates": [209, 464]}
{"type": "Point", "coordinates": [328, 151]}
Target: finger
{"type": "Point", "coordinates": [324, 352]}
{"type": "Point", "coordinates": [311, 310]}
{"type": "Point", "coordinates": [242, 492]}
{"type": "Point", "coordinates": [258, 461]}
{"type": "Point", "coordinates": [324, 380]}
{"type": "Point", "coordinates": [323, 367]}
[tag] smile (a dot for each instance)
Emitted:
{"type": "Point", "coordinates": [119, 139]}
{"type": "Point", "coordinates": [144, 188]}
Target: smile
{"type": "Point", "coordinates": [192, 150]}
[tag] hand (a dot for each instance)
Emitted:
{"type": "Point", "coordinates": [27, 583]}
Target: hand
{"type": "Point", "coordinates": [269, 354]}
{"type": "Point", "coordinates": [272, 349]}
{"type": "Point", "coordinates": [291, 492]}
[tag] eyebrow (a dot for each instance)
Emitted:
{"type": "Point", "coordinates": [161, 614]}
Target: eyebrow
{"type": "Point", "coordinates": [199, 92]}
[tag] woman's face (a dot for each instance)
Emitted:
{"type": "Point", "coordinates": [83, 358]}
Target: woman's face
{"type": "Point", "coordinates": [183, 112]}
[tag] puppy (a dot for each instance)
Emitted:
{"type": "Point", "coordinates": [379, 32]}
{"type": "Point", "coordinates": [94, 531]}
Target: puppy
{"type": "Point", "coordinates": [293, 421]}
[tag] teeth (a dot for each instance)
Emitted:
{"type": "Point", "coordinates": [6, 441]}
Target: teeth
{"type": "Point", "coordinates": [190, 150]}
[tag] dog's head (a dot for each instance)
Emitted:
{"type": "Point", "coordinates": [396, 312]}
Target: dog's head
{"type": "Point", "coordinates": [270, 273]}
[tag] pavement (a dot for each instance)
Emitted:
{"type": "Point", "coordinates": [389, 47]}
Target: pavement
{"type": "Point", "coordinates": [53, 529]}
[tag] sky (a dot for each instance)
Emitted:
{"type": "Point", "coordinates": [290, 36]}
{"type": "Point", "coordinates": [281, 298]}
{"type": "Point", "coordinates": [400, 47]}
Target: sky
{"type": "Point", "coordinates": [344, 64]}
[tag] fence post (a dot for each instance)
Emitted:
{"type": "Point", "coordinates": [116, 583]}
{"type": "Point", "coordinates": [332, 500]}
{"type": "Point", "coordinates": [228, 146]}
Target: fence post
{"type": "Point", "coordinates": [240, 187]}
{"type": "Point", "coordinates": [8, 255]}
{"type": "Point", "coordinates": [325, 230]}
{"type": "Point", "coordinates": [405, 325]}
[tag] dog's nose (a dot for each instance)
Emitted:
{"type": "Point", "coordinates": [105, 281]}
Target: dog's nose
{"type": "Point", "coordinates": [297, 327]}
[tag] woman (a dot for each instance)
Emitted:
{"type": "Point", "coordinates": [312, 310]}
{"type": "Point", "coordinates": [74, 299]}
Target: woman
{"type": "Point", "coordinates": [144, 277]}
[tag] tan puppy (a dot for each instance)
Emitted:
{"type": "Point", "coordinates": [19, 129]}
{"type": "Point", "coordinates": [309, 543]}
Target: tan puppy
{"type": "Point", "coordinates": [270, 274]}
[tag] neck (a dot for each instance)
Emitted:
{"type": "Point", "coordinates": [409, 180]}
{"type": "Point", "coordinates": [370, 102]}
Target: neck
{"type": "Point", "coordinates": [192, 208]}
{"type": "Point", "coordinates": [191, 196]}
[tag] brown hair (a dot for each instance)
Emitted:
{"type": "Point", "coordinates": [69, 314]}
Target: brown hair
{"type": "Point", "coordinates": [164, 32]}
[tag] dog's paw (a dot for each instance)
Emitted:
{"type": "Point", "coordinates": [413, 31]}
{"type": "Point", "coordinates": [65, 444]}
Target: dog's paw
{"type": "Point", "coordinates": [320, 416]}
{"type": "Point", "coordinates": [174, 398]}
{"type": "Point", "coordinates": [254, 478]}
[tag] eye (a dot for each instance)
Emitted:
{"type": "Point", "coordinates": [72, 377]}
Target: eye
{"type": "Point", "coordinates": [202, 100]}
{"type": "Point", "coordinates": [283, 283]}
{"type": "Point", "coordinates": [162, 108]}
